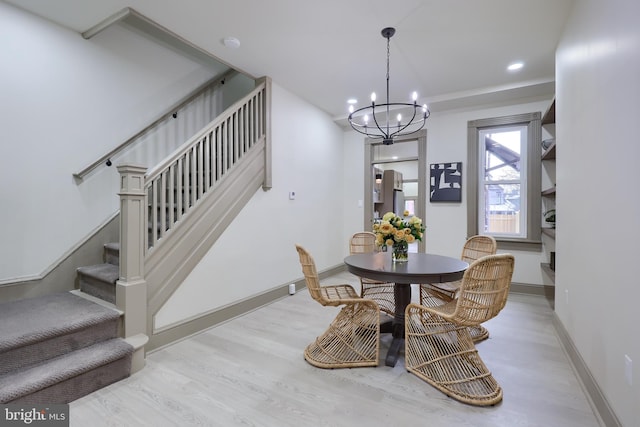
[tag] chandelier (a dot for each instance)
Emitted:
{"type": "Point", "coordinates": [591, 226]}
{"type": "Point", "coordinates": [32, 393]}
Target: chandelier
{"type": "Point", "coordinates": [382, 125]}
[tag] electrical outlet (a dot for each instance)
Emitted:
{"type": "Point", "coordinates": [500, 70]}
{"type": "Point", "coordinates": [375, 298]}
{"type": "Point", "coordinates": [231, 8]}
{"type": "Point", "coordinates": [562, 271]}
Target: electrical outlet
{"type": "Point", "coordinates": [628, 370]}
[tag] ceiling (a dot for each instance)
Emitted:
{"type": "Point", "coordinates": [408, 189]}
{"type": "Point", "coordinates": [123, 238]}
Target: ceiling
{"type": "Point", "coordinates": [454, 53]}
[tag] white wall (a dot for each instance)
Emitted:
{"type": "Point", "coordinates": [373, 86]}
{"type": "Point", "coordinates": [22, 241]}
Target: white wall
{"type": "Point", "coordinates": [67, 101]}
{"type": "Point", "coordinates": [257, 252]}
{"type": "Point", "coordinates": [598, 202]}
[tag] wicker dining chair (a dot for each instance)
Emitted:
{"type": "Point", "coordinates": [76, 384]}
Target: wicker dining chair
{"type": "Point", "coordinates": [438, 344]}
{"type": "Point", "coordinates": [381, 292]}
{"type": "Point", "coordinates": [434, 294]}
{"type": "Point", "coordinates": [353, 338]}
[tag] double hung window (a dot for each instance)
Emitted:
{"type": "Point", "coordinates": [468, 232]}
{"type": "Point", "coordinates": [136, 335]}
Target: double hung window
{"type": "Point", "coordinates": [504, 177]}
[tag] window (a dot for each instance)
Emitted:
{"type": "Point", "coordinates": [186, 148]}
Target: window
{"type": "Point", "coordinates": [502, 208]}
{"type": "Point", "coordinates": [504, 178]}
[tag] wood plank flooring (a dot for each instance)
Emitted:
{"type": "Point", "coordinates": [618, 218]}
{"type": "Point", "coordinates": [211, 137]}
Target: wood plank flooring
{"type": "Point", "coordinates": [250, 372]}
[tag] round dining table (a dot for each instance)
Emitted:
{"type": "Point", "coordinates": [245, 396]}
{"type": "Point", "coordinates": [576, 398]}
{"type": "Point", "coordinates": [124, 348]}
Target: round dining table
{"type": "Point", "coordinates": [420, 268]}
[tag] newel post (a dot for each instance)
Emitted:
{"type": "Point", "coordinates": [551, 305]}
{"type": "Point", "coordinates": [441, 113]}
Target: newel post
{"type": "Point", "coordinates": [131, 288]}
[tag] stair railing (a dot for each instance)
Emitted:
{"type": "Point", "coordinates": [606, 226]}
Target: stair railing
{"type": "Point", "coordinates": [178, 183]}
{"type": "Point", "coordinates": [153, 205]}
{"type": "Point", "coordinates": [169, 114]}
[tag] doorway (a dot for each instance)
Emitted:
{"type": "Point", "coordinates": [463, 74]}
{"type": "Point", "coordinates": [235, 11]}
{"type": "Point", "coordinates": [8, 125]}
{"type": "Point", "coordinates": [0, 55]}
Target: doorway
{"type": "Point", "coordinates": [396, 179]}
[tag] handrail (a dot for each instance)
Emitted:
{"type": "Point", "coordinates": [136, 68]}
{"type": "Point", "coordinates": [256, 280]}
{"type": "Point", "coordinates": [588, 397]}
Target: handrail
{"type": "Point", "coordinates": [174, 186]}
{"type": "Point", "coordinates": [105, 159]}
{"type": "Point", "coordinates": [153, 173]}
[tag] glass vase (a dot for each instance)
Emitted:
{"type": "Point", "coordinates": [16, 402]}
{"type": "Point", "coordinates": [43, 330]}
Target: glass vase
{"type": "Point", "coordinates": [400, 252]}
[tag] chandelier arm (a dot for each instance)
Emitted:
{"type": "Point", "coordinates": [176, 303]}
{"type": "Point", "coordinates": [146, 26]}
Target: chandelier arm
{"type": "Point", "coordinates": [409, 123]}
{"type": "Point", "coordinates": [375, 120]}
{"type": "Point", "coordinates": [372, 136]}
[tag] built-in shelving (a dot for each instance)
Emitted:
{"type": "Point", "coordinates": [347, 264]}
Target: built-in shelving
{"type": "Point", "coordinates": [550, 153]}
{"type": "Point", "coordinates": [549, 116]}
{"type": "Point", "coordinates": [547, 269]}
{"type": "Point", "coordinates": [549, 194]}
{"type": "Point", "coordinates": [551, 232]}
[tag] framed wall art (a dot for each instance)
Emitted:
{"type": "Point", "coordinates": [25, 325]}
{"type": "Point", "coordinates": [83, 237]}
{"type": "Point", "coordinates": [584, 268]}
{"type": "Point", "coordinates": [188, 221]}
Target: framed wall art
{"type": "Point", "coordinates": [446, 182]}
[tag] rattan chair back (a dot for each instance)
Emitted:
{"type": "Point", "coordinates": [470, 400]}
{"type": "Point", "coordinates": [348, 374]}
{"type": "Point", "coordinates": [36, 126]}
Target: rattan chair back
{"type": "Point", "coordinates": [363, 242]}
{"type": "Point", "coordinates": [310, 275]}
{"type": "Point", "coordinates": [478, 246]}
{"type": "Point", "coordinates": [484, 289]}
{"type": "Point", "coordinates": [381, 292]}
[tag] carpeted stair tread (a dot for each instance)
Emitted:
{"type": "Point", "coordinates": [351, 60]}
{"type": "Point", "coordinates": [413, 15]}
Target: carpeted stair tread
{"type": "Point", "coordinates": [115, 246]}
{"type": "Point", "coordinates": [112, 253]}
{"type": "Point", "coordinates": [42, 379]}
{"type": "Point", "coordinates": [103, 272]}
{"type": "Point", "coordinates": [31, 320]}
{"type": "Point", "coordinates": [100, 280]}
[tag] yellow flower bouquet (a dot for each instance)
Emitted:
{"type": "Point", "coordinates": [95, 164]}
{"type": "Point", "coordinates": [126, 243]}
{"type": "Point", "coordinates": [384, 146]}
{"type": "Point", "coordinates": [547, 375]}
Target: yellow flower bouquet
{"type": "Point", "coordinates": [398, 233]}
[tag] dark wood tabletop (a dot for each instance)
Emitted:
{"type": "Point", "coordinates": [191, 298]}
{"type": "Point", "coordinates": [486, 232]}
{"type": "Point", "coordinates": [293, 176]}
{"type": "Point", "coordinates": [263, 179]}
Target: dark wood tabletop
{"type": "Point", "coordinates": [421, 268]}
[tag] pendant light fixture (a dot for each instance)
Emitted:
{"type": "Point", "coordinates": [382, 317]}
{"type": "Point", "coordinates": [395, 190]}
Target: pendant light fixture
{"type": "Point", "coordinates": [375, 120]}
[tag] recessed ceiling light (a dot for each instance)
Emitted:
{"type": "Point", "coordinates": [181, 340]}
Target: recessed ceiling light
{"type": "Point", "coordinates": [515, 66]}
{"type": "Point", "coordinates": [352, 101]}
{"type": "Point", "coordinates": [231, 42]}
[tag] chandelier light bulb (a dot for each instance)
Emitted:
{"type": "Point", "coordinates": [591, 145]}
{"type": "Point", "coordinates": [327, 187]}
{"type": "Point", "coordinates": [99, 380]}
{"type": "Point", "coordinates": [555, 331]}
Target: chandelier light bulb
{"type": "Point", "coordinates": [351, 108]}
{"type": "Point", "coordinates": [373, 97]}
{"type": "Point", "coordinates": [414, 96]}
{"type": "Point", "coordinates": [366, 119]}
{"type": "Point", "coordinates": [399, 119]}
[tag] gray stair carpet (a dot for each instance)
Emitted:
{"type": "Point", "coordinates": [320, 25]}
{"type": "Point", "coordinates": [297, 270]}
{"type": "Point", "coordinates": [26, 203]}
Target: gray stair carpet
{"type": "Point", "coordinates": [40, 336]}
{"type": "Point", "coordinates": [70, 376]}
{"type": "Point", "coordinates": [99, 280]}
{"type": "Point", "coordinates": [112, 253]}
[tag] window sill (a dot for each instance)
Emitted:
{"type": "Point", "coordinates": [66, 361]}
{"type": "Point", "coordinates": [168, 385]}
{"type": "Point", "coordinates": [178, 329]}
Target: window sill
{"type": "Point", "coordinates": [519, 244]}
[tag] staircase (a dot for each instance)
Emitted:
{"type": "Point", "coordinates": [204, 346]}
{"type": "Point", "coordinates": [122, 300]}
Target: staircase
{"type": "Point", "coordinates": [58, 348]}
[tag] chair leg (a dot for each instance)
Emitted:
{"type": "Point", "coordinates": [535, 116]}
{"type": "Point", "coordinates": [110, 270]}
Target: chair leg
{"type": "Point", "coordinates": [444, 355]}
{"type": "Point", "coordinates": [352, 339]}
{"type": "Point", "coordinates": [478, 333]}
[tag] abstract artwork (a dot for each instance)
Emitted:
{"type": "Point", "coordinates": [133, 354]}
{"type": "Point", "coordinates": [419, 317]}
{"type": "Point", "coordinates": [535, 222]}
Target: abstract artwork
{"type": "Point", "coordinates": [446, 182]}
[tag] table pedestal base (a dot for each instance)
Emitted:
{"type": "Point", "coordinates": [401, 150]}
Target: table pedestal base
{"type": "Point", "coordinates": [402, 293]}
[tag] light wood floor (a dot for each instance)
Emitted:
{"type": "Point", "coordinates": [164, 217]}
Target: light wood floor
{"type": "Point", "coordinates": [250, 371]}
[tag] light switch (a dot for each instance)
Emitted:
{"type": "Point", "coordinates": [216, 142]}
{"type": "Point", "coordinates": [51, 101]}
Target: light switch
{"type": "Point", "coordinates": [292, 195]}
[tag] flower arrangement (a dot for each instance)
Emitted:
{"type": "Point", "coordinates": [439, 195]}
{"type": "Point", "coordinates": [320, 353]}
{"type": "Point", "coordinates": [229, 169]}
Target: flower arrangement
{"type": "Point", "coordinates": [398, 232]}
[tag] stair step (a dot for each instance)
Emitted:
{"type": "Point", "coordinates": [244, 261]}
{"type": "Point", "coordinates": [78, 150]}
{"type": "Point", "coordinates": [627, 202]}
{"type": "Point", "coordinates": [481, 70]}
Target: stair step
{"type": "Point", "coordinates": [99, 280]}
{"type": "Point", "coordinates": [35, 329]}
{"type": "Point", "coordinates": [112, 253]}
{"type": "Point", "coordinates": [69, 376]}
